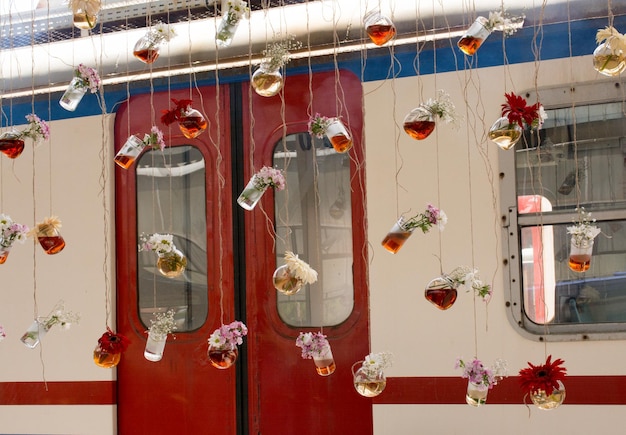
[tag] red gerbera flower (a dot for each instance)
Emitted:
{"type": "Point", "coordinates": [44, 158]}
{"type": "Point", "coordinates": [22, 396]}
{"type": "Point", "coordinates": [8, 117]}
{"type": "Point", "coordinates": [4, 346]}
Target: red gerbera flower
{"type": "Point", "coordinates": [113, 343]}
{"type": "Point", "coordinates": [544, 377]}
{"type": "Point", "coordinates": [518, 112]}
{"type": "Point", "coordinates": [173, 115]}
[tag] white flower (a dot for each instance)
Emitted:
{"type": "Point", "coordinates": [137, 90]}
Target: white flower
{"type": "Point", "coordinates": [583, 232]}
{"type": "Point", "coordinates": [375, 362]}
{"type": "Point", "coordinates": [159, 243]}
{"type": "Point", "coordinates": [442, 107]}
{"type": "Point", "coordinates": [164, 31]}
{"type": "Point", "coordinates": [300, 269]}
{"type": "Point", "coordinates": [468, 278]}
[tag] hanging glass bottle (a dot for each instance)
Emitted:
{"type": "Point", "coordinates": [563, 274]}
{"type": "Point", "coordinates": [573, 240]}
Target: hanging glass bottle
{"type": "Point", "coordinates": [441, 292]}
{"type": "Point", "coordinates": [324, 361]}
{"type": "Point", "coordinates": [147, 48]}
{"type": "Point", "coordinates": [4, 253]}
{"type": "Point", "coordinates": [48, 235]}
{"type": "Point", "coordinates": [396, 236]}
{"type": "Point", "coordinates": [230, 21]}
{"type": "Point", "coordinates": [504, 133]}
{"type": "Point", "coordinates": [11, 144]}
{"type": "Point", "coordinates": [267, 81]}
{"type": "Point", "coordinates": [474, 37]}
{"type": "Point", "coordinates": [476, 394]}
{"type": "Point", "coordinates": [172, 264]}
{"type": "Point", "coordinates": [129, 152]}
{"type": "Point", "coordinates": [34, 334]}
{"type": "Point", "coordinates": [223, 357]}
{"type": "Point", "coordinates": [419, 123]}
{"type": "Point", "coordinates": [609, 58]}
{"type": "Point", "coordinates": [338, 135]}
{"type": "Point", "coordinates": [379, 28]}
{"type": "Point", "coordinates": [545, 402]}
{"type": "Point", "coordinates": [85, 13]}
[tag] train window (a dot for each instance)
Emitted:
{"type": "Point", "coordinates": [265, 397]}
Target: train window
{"type": "Point", "coordinates": [314, 220]}
{"type": "Point", "coordinates": [171, 199]}
{"type": "Point", "coordinates": [578, 159]}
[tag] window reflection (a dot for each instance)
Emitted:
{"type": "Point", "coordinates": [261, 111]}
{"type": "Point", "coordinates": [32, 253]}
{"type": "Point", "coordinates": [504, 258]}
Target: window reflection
{"type": "Point", "coordinates": [314, 220]}
{"type": "Point", "coordinates": [171, 199]}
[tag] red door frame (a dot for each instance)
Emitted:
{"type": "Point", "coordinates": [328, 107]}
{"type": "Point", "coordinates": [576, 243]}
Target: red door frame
{"type": "Point", "coordinates": [181, 393]}
{"type": "Point", "coordinates": [285, 393]}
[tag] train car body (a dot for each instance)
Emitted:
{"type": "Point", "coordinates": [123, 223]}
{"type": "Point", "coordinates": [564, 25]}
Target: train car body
{"type": "Point", "coordinates": [507, 217]}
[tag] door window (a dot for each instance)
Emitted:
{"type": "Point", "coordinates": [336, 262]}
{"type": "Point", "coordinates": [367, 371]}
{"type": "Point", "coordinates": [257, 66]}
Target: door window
{"type": "Point", "coordinates": [171, 199]}
{"type": "Point", "coordinates": [314, 220]}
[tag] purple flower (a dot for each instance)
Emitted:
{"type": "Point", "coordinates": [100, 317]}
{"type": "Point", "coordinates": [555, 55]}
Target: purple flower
{"type": "Point", "coordinates": [89, 78]}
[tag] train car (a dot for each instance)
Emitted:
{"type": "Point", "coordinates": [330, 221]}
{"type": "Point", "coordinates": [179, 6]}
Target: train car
{"type": "Point", "coordinates": [260, 217]}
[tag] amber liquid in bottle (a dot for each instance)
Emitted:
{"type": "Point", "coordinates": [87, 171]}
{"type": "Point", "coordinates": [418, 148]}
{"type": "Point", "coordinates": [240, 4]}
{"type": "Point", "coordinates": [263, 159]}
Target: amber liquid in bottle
{"type": "Point", "coordinates": [223, 358]}
{"type": "Point", "coordinates": [52, 245]}
{"type": "Point", "coordinates": [341, 143]}
{"type": "Point", "coordinates": [11, 148]}
{"type": "Point", "coordinates": [192, 126]}
{"type": "Point", "coordinates": [370, 389]}
{"type": "Point", "coordinates": [148, 55]}
{"type": "Point", "coordinates": [381, 33]}
{"type": "Point", "coordinates": [394, 241]}
{"type": "Point", "coordinates": [579, 263]}
{"type": "Point", "coordinates": [469, 44]}
{"type": "Point", "coordinates": [3, 257]}
{"type": "Point", "coordinates": [326, 370]}
{"type": "Point", "coordinates": [419, 129]}
{"type": "Point", "coordinates": [124, 161]}
{"type": "Point", "coordinates": [505, 139]}
{"type": "Point", "coordinates": [84, 21]}
{"type": "Point", "coordinates": [106, 360]}
{"type": "Point", "coordinates": [442, 298]}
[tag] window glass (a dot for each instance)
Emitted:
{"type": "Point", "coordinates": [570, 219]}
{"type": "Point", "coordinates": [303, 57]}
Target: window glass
{"type": "Point", "coordinates": [314, 220]}
{"type": "Point", "coordinates": [578, 159]}
{"type": "Point", "coordinates": [171, 199]}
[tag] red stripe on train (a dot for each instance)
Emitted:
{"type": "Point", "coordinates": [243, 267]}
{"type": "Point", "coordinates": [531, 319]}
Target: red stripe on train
{"type": "Point", "coordinates": [580, 390]}
{"type": "Point", "coordinates": [58, 393]}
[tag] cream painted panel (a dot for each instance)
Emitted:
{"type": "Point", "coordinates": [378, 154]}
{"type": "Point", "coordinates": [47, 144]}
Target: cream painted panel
{"type": "Point", "coordinates": [496, 420]}
{"type": "Point", "coordinates": [458, 170]}
{"type": "Point", "coordinates": [61, 420]}
{"type": "Point", "coordinates": [74, 193]}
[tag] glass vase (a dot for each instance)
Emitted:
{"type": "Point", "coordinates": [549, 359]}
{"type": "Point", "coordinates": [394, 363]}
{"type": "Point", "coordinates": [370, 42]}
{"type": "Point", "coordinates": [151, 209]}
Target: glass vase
{"type": "Point", "coordinates": [338, 135]}
{"type": "Point", "coordinates": [324, 362]}
{"type": "Point", "coordinates": [250, 195]}
{"type": "Point", "coordinates": [441, 292]}
{"type": "Point", "coordinates": [580, 255]}
{"type": "Point", "coordinates": [504, 133]}
{"type": "Point", "coordinates": [379, 28]}
{"type": "Point", "coordinates": [476, 394]}
{"type": "Point", "coordinates": [105, 359]}
{"type": "Point", "coordinates": [11, 144]}
{"type": "Point", "coordinates": [147, 48]}
{"type": "Point", "coordinates": [129, 152]}
{"type": "Point", "coordinates": [545, 402]}
{"type": "Point", "coordinates": [192, 123]}
{"type": "Point", "coordinates": [608, 61]}
{"type": "Point", "coordinates": [74, 93]}
{"type": "Point", "coordinates": [155, 345]}
{"type": "Point", "coordinates": [227, 28]}
{"type": "Point", "coordinates": [267, 81]}
{"type": "Point", "coordinates": [51, 240]}
{"type": "Point", "coordinates": [286, 282]}
{"type": "Point", "coordinates": [419, 123]}
{"type": "Point", "coordinates": [471, 41]}
{"type": "Point", "coordinates": [34, 334]}
{"type": "Point", "coordinates": [84, 18]}
{"type": "Point", "coordinates": [368, 382]}
{"type": "Point", "coordinates": [396, 236]}
{"type": "Point", "coordinates": [172, 264]}
{"type": "Point", "coordinates": [4, 253]}
{"type": "Point", "coordinates": [222, 357]}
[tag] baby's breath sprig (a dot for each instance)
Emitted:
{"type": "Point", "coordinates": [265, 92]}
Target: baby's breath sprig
{"type": "Point", "coordinates": [276, 54]}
